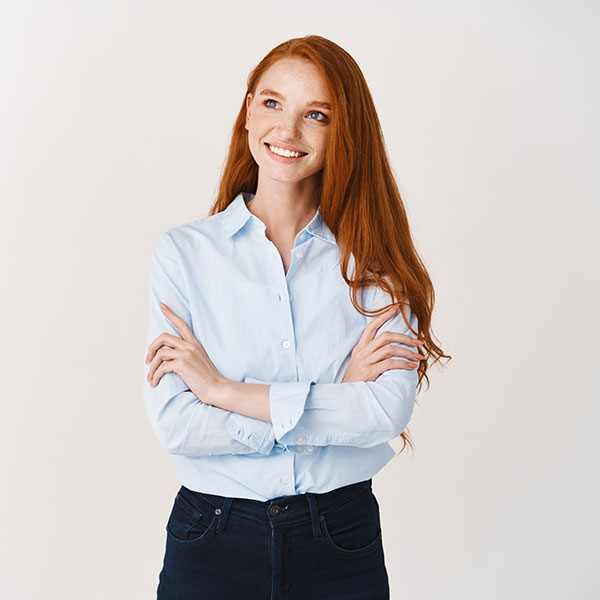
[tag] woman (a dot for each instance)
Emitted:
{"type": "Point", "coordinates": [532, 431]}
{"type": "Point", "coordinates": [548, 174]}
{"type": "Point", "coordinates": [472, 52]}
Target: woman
{"type": "Point", "coordinates": [266, 381]}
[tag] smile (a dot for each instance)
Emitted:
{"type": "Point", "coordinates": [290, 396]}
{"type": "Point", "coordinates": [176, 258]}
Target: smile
{"type": "Point", "coordinates": [289, 154]}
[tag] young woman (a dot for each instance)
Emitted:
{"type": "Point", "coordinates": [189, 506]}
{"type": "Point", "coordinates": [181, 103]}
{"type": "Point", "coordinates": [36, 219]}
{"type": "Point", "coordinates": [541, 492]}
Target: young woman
{"type": "Point", "coordinates": [274, 379]}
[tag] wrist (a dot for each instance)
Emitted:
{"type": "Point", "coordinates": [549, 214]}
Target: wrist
{"type": "Point", "coordinates": [250, 399]}
{"type": "Point", "coordinates": [221, 395]}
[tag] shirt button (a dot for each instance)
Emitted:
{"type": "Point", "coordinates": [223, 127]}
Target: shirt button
{"type": "Point", "coordinates": [299, 254]}
{"type": "Point", "coordinates": [302, 235]}
{"type": "Point", "coordinates": [301, 439]}
{"type": "Point", "coordinates": [285, 479]}
{"type": "Point", "coordinates": [285, 344]}
{"type": "Point", "coordinates": [309, 448]}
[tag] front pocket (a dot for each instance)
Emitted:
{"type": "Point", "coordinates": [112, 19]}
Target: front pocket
{"type": "Point", "coordinates": [187, 523]}
{"type": "Point", "coordinates": [354, 527]}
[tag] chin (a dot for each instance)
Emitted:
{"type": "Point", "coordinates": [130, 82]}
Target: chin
{"type": "Point", "coordinates": [282, 179]}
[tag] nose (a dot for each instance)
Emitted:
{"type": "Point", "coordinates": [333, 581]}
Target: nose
{"type": "Point", "coordinates": [288, 128]}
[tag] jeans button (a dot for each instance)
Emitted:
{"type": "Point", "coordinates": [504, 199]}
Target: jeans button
{"type": "Point", "coordinates": [274, 510]}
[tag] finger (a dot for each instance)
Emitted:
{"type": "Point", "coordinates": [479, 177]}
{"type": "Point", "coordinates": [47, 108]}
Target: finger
{"type": "Point", "coordinates": [406, 338]}
{"type": "Point", "coordinates": [392, 363]}
{"type": "Point", "coordinates": [162, 355]}
{"type": "Point", "coordinates": [373, 325]}
{"type": "Point", "coordinates": [165, 367]}
{"type": "Point", "coordinates": [389, 350]}
{"type": "Point", "coordinates": [164, 339]}
{"type": "Point", "coordinates": [180, 324]}
{"type": "Point", "coordinates": [392, 336]}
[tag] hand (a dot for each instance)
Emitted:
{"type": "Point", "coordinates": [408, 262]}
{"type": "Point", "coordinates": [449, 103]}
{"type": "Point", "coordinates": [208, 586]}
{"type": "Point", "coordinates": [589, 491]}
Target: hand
{"type": "Point", "coordinates": [184, 356]}
{"type": "Point", "coordinates": [370, 355]}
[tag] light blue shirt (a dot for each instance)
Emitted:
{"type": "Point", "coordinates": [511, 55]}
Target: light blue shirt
{"type": "Point", "coordinates": [294, 331]}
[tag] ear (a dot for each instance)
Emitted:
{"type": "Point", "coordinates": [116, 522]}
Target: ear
{"type": "Point", "coordinates": [248, 102]}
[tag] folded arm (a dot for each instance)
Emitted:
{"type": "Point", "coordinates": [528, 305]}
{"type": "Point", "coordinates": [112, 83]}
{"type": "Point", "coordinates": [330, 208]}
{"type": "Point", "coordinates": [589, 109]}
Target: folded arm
{"type": "Point", "coordinates": [361, 414]}
{"type": "Point", "coordinates": [183, 423]}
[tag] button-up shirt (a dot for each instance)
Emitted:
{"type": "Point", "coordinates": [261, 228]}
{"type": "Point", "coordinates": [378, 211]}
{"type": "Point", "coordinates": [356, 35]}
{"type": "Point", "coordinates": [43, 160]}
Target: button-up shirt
{"type": "Point", "coordinates": [294, 331]}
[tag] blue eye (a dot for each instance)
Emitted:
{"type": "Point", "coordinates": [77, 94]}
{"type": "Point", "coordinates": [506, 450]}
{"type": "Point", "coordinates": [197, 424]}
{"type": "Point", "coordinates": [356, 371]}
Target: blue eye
{"type": "Point", "coordinates": [317, 112]}
{"type": "Point", "coordinates": [314, 112]}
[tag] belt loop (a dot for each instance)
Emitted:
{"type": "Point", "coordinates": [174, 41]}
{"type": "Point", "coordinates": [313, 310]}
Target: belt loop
{"type": "Point", "coordinates": [314, 515]}
{"type": "Point", "coordinates": [223, 514]}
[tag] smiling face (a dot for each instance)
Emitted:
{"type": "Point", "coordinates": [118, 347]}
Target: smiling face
{"type": "Point", "coordinates": [289, 112]}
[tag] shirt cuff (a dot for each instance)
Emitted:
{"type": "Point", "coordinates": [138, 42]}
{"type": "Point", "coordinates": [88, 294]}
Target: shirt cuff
{"type": "Point", "coordinates": [255, 433]}
{"type": "Point", "coordinates": [287, 401]}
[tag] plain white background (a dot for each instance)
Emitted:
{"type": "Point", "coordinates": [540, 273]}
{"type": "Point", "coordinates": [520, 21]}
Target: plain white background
{"type": "Point", "coordinates": [115, 118]}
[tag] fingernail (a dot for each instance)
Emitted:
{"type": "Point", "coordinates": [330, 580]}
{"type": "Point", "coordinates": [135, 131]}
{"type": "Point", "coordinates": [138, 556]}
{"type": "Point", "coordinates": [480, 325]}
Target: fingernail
{"type": "Point", "coordinates": [163, 305]}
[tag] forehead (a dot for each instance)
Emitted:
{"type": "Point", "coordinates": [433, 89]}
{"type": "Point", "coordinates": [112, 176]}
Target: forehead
{"type": "Point", "coordinates": [294, 76]}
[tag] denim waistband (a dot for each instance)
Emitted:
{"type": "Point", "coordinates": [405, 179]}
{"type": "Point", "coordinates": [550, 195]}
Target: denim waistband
{"type": "Point", "coordinates": [289, 509]}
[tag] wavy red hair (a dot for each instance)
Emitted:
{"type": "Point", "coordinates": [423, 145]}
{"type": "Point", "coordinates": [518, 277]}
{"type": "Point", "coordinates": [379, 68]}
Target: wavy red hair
{"type": "Point", "coordinates": [358, 195]}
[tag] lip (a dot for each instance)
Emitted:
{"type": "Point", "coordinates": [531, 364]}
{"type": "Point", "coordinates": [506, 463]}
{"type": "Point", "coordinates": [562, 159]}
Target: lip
{"type": "Point", "coordinates": [284, 146]}
{"type": "Point", "coordinates": [283, 159]}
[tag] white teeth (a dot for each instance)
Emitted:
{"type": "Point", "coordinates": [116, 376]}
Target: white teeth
{"type": "Point", "coordinates": [283, 152]}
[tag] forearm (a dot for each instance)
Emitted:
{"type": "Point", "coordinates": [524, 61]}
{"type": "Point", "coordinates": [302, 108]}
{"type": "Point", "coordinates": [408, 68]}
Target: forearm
{"type": "Point", "coordinates": [184, 425]}
{"type": "Point", "coordinates": [361, 414]}
{"type": "Point", "coordinates": [250, 399]}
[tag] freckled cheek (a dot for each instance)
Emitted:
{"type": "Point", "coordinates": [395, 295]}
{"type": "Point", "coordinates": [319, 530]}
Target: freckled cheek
{"type": "Point", "coordinates": [320, 147]}
{"type": "Point", "coordinates": [265, 129]}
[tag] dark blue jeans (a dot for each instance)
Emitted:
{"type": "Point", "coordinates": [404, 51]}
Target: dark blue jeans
{"type": "Point", "coordinates": [303, 547]}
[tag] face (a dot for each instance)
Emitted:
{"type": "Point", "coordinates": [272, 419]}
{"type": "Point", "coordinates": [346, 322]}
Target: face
{"type": "Point", "coordinates": [289, 111]}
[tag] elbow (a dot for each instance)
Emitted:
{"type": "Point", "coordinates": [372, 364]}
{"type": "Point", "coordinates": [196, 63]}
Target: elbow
{"type": "Point", "coordinates": [388, 413]}
{"type": "Point", "coordinates": [168, 422]}
{"type": "Point", "coordinates": [175, 444]}
{"type": "Point", "coordinates": [403, 410]}
{"type": "Point", "coordinates": [167, 437]}
{"type": "Point", "coordinates": [388, 417]}
{"type": "Point", "coordinates": [171, 444]}
{"type": "Point", "coordinates": [401, 420]}
{"type": "Point", "coordinates": [397, 405]}
{"type": "Point", "coordinates": [177, 441]}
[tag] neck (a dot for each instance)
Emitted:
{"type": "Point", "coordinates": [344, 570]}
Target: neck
{"type": "Point", "coordinates": [285, 209]}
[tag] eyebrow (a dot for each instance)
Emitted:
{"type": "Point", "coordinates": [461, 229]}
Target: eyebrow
{"type": "Point", "coordinates": [267, 92]}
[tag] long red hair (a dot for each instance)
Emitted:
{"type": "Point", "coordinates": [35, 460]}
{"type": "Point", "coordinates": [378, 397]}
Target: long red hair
{"type": "Point", "coordinates": [358, 195]}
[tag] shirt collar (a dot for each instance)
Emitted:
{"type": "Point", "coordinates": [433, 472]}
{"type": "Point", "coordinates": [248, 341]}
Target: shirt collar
{"type": "Point", "coordinates": [237, 215]}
